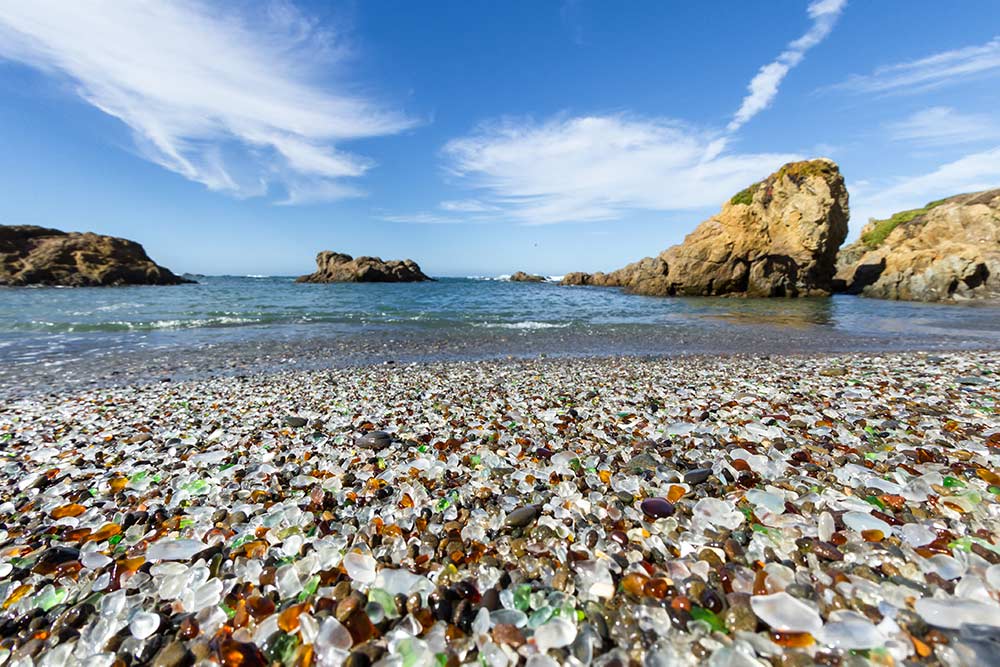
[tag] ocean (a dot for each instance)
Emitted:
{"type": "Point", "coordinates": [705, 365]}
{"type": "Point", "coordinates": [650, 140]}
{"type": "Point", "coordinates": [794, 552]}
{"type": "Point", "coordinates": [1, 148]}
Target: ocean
{"type": "Point", "coordinates": [237, 324]}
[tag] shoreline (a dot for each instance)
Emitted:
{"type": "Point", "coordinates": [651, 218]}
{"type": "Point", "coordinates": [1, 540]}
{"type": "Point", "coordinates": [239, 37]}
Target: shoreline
{"type": "Point", "coordinates": [107, 366]}
{"type": "Point", "coordinates": [783, 507]}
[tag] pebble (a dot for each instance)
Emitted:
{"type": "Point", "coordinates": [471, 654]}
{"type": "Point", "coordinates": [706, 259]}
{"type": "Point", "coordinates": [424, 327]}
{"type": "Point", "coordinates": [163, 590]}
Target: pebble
{"type": "Point", "coordinates": [657, 508]}
{"type": "Point", "coordinates": [522, 516]}
{"type": "Point", "coordinates": [954, 613]}
{"type": "Point", "coordinates": [786, 614]}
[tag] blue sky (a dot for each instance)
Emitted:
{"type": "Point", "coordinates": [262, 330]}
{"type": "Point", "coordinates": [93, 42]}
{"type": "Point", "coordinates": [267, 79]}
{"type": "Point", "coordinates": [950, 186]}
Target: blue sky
{"type": "Point", "coordinates": [475, 137]}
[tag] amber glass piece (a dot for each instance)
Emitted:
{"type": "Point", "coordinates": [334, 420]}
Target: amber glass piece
{"type": "Point", "coordinates": [922, 649]}
{"type": "Point", "coordinates": [741, 464]}
{"type": "Point", "coordinates": [255, 549]}
{"type": "Point", "coordinates": [605, 476]}
{"type": "Point", "coordinates": [288, 620]}
{"type": "Point", "coordinates": [189, 628]}
{"type": "Point", "coordinates": [675, 493]}
{"type": "Point", "coordinates": [305, 656]}
{"type": "Point", "coordinates": [360, 626]}
{"type": "Point", "coordinates": [425, 617]}
{"type": "Point", "coordinates": [634, 584]}
{"type": "Point", "coordinates": [118, 484]}
{"type": "Point", "coordinates": [406, 501]}
{"type": "Point", "coordinates": [68, 569]}
{"type": "Point", "coordinates": [988, 476]}
{"type": "Point", "coordinates": [260, 607]}
{"type": "Point", "coordinates": [240, 615]}
{"type": "Point", "coordinates": [656, 588]}
{"type": "Point", "coordinates": [239, 654]}
{"type": "Point", "coordinates": [760, 583]}
{"type": "Point", "coordinates": [105, 532]}
{"type": "Point", "coordinates": [16, 595]}
{"type": "Point", "coordinates": [73, 509]}
{"type": "Point", "coordinates": [792, 639]}
{"type": "Point", "coordinates": [873, 535]}
{"type": "Point", "coordinates": [76, 534]}
{"type": "Point", "coordinates": [681, 603]}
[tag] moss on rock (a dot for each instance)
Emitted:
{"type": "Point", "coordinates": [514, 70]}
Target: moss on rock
{"type": "Point", "coordinates": [881, 229]}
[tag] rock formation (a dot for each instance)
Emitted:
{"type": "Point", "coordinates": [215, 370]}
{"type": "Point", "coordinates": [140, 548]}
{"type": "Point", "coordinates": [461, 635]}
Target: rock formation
{"type": "Point", "coordinates": [522, 277]}
{"type": "Point", "coordinates": [948, 250]}
{"type": "Point", "coordinates": [31, 255]}
{"type": "Point", "coordinates": [778, 237]}
{"type": "Point", "coordinates": [336, 267]}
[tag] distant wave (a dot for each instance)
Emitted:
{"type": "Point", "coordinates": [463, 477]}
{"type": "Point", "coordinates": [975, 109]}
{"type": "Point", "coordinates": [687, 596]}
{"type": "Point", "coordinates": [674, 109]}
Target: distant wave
{"type": "Point", "coordinates": [506, 278]}
{"type": "Point", "coordinates": [527, 324]}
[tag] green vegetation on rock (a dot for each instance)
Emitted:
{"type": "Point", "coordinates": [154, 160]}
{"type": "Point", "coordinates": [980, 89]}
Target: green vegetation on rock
{"type": "Point", "coordinates": [745, 196]}
{"type": "Point", "coordinates": [799, 171]}
{"type": "Point", "coordinates": [874, 237]}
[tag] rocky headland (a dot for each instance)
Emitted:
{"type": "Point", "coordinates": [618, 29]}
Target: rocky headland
{"type": "Point", "coordinates": [949, 250]}
{"type": "Point", "coordinates": [336, 267]}
{"type": "Point", "coordinates": [31, 255]}
{"type": "Point", "coordinates": [778, 237]}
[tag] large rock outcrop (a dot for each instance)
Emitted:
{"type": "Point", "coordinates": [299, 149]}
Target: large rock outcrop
{"type": "Point", "coordinates": [31, 255]}
{"type": "Point", "coordinates": [778, 237]}
{"type": "Point", "coordinates": [948, 250]}
{"type": "Point", "coordinates": [336, 267]}
{"type": "Point", "coordinates": [522, 277]}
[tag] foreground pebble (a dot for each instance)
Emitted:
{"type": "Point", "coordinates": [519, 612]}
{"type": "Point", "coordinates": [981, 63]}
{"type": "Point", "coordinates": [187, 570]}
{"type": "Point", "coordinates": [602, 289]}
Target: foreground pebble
{"type": "Point", "coordinates": [739, 511]}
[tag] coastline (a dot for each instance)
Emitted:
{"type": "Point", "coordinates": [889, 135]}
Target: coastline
{"type": "Point", "coordinates": [511, 504]}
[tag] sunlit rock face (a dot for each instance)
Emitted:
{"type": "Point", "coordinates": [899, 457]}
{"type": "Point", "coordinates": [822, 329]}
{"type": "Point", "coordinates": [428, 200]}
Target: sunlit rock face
{"type": "Point", "coordinates": [949, 250]}
{"type": "Point", "coordinates": [778, 237]}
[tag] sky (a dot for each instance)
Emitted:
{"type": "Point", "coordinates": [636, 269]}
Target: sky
{"type": "Point", "coordinates": [475, 137]}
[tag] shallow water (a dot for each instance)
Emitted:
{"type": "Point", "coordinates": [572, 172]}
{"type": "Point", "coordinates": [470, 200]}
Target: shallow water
{"type": "Point", "coordinates": [54, 335]}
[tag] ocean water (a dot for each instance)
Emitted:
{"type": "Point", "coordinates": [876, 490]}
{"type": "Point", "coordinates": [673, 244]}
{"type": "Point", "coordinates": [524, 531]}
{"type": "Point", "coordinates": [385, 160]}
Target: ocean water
{"type": "Point", "coordinates": [243, 321]}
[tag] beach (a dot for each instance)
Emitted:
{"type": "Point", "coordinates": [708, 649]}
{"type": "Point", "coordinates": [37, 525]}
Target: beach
{"type": "Point", "coordinates": [613, 510]}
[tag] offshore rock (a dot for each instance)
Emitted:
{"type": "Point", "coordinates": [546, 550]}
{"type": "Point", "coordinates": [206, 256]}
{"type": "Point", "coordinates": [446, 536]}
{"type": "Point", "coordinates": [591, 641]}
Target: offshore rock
{"type": "Point", "coordinates": [522, 277]}
{"type": "Point", "coordinates": [336, 267]}
{"type": "Point", "coordinates": [778, 237]}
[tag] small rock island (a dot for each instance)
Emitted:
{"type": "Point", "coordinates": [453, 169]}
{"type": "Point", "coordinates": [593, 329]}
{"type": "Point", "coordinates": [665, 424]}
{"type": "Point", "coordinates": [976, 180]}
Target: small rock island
{"type": "Point", "coordinates": [522, 277]}
{"type": "Point", "coordinates": [32, 255]}
{"type": "Point", "coordinates": [336, 267]}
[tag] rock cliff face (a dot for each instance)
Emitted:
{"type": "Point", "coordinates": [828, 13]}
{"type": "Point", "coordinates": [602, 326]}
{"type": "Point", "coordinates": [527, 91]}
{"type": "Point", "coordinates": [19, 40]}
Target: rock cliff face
{"type": "Point", "coordinates": [336, 267]}
{"type": "Point", "coordinates": [522, 277]}
{"type": "Point", "coordinates": [32, 255]}
{"type": "Point", "coordinates": [948, 250]}
{"type": "Point", "coordinates": [778, 237]}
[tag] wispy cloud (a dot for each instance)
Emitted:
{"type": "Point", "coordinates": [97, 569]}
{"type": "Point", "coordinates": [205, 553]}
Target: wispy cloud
{"type": "Point", "coordinates": [230, 101]}
{"type": "Point", "coordinates": [971, 173]}
{"type": "Point", "coordinates": [935, 71]}
{"type": "Point", "coordinates": [944, 126]}
{"type": "Point", "coordinates": [596, 167]}
{"type": "Point", "coordinates": [764, 86]}
{"type": "Point", "coordinates": [599, 167]}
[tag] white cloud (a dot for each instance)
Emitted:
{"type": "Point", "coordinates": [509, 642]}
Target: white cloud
{"type": "Point", "coordinates": [467, 206]}
{"type": "Point", "coordinates": [944, 126]}
{"type": "Point", "coordinates": [941, 69]}
{"type": "Point", "coordinates": [232, 102]}
{"type": "Point", "coordinates": [596, 167]}
{"type": "Point", "coordinates": [764, 86]}
{"type": "Point", "coordinates": [422, 218]}
{"type": "Point", "coordinates": [971, 173]}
